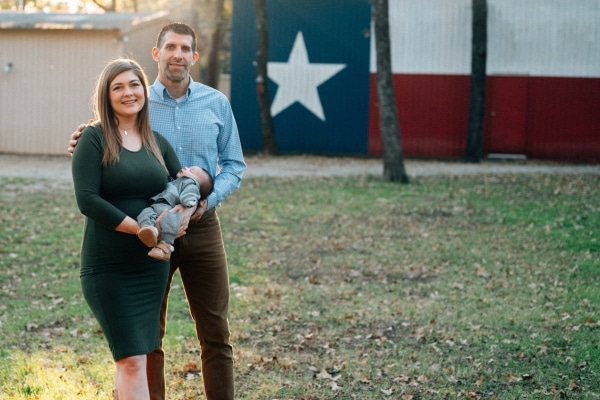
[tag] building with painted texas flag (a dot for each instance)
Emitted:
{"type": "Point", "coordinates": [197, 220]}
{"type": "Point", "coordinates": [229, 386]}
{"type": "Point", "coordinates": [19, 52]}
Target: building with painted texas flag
{"type": "Point", "coordinates": [543, 77]}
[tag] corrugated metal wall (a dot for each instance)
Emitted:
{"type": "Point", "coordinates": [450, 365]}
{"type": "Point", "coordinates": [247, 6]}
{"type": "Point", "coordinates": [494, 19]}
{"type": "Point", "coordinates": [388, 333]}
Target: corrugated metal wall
{"type": "Point", "coordinates": [429, 36]}
{"type": "Point", "coordinates": [320, 92]}
{"type": "Point", "coordinates": [533, 37]}
{"type": "Point", "coordinates": [544, 37]}
{"type": "Point", "coordinates": [139, 46]}
{"type": "Point", "coordinates": [543, 53]}
{"type": "Point", "coordinates": [47, 92]}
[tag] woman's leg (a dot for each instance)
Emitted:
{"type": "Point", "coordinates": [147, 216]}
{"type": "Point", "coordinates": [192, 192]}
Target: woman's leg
{"type": "Point", "coordinates": [131, 382]}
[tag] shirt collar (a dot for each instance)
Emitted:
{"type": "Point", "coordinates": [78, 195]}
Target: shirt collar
{"type": "Point", "coordinates": [162, 91]}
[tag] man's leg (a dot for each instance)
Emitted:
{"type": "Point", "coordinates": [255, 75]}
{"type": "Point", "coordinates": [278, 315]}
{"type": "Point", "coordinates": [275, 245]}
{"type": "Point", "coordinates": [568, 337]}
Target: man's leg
{"type": "Point", "coordinates": [155, 369]}
{"type": "Point", "coordinates": [155, 365]}
{"type": "Point", "coordinates": [203, 269]}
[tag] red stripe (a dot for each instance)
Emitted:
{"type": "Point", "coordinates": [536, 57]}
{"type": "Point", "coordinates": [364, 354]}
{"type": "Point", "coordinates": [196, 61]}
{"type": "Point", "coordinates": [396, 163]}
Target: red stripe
{"type": "Point", "coordinates": [559, 118]}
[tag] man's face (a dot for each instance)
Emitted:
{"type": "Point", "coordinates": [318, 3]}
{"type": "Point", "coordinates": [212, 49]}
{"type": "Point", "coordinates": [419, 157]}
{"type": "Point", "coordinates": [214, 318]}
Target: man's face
{"type": "Point", "coordinates": [175, 57]}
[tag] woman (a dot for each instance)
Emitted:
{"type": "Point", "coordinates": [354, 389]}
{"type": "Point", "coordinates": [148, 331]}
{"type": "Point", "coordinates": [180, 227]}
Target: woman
{"type": "Point", "coordinates": [118, 165]}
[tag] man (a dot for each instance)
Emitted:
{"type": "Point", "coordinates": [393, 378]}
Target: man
{"type": "Point", "coordinates": [198, 122]}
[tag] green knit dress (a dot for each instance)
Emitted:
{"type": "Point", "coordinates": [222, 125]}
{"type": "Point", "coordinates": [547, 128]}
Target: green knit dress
{"type": "Point", "coordinates": [122, 285]}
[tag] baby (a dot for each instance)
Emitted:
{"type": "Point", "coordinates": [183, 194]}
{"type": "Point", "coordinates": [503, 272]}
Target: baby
{"type": "Point", "coordinates": [192, 185]}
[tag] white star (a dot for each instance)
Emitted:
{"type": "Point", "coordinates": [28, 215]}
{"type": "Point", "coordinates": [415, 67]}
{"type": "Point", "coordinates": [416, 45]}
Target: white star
{"type": "Point", "coordinates": [298, 80]}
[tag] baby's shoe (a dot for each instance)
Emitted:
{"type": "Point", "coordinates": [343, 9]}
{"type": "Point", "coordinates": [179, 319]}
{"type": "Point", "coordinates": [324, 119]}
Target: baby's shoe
{"type": "Point", "coordinates": [148, 235]}
{"type": "Point", "coordinates": [162, 251]}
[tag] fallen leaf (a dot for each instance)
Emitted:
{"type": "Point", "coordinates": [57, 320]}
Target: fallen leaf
{"type": "Point", "coordinates": [323, 375]}
{"type": "Point", "coordinates": [190, 367]}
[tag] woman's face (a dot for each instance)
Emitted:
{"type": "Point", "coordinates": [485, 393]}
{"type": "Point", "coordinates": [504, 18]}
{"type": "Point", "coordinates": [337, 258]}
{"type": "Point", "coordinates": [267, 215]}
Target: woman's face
{"type": "Point", "coordinates": [126, 94]}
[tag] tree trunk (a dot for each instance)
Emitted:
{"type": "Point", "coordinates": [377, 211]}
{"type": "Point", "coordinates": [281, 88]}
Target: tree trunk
{"type": "Point", "coordinates": [262, 81]}
{"type": "Point", "coordinates": [212, 67]}
{"type": "Point", "coordinates": [196, 72]}
{"type": "Point", "coordinates": [393, 159]}
{"type": "Point", "coordinates": [112, 7]}
{"type": "Point", "coordinates": [474, 148]}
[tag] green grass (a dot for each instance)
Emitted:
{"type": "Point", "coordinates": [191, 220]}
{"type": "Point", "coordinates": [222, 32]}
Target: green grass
{"type": "Point", "coordinates": [476, 287]}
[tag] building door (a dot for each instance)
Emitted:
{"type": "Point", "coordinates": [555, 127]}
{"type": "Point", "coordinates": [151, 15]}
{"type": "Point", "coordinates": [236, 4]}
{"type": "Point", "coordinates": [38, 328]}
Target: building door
{"type": "Point", "coordinates": [506, 115]}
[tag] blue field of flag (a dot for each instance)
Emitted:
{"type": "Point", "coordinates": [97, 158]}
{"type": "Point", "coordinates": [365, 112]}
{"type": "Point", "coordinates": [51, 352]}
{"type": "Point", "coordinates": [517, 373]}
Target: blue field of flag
{"type": "Point", "coordinates": [318, 74]}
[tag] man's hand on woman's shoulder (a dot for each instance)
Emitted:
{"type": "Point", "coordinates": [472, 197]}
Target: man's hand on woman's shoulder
{"type": "Point", "coordinates": [75, 136]}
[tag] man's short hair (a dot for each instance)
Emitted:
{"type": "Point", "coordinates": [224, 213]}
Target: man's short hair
{"type": "Point", "coordinates": [177, 27]}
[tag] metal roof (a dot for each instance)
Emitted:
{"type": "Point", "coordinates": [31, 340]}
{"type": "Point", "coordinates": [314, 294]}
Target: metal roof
{"type": "Point", "coordinates": [51, 21]}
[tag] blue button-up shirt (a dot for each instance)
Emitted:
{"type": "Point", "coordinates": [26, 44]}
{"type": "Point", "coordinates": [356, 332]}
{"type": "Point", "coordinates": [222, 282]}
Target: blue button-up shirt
{"type": "Point", "coordinates": [202, 130]}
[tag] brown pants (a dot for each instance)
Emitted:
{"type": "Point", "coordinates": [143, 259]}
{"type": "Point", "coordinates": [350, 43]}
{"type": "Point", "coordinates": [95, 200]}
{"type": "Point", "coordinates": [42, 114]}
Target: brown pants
{"type": "Point", "coordinates": [202, 262]}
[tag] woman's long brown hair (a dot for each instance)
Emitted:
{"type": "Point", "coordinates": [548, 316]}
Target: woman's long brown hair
{"type": "Point", "coordinates": [105, 114]}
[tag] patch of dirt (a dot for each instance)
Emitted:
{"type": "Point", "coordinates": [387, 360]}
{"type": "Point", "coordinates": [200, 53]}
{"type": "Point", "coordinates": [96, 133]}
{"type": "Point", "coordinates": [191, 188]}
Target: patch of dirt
{"type": "Point", "coordinates": [58, 168]}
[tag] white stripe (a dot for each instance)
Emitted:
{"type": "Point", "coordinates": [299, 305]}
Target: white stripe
{"type": "Point", "coordinates": [525, 37]}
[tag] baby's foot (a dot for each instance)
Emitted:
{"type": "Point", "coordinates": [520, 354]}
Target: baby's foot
{"type": "Point", "coordinates": [162, 251]}
{"type": "Point", "coordinates": [148, 235]}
